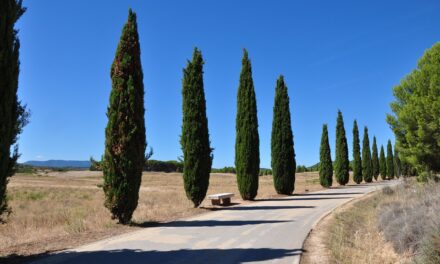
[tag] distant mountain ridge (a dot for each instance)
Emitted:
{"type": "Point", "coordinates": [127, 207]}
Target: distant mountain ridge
{"type": "Point", "coordinates": [59, 163]}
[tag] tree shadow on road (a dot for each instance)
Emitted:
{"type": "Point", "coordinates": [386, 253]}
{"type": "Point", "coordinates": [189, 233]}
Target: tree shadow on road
{"type": "Point", "coordinates": [212, 256]}
{"type": "Point", "coordinates": [303, 199]}
{"type": "Point", "coordinates": [326, 194]}
{"type": "Point", "coordinates": [209, 223]}
{"type": "Point", "coordinates": [268, 207]}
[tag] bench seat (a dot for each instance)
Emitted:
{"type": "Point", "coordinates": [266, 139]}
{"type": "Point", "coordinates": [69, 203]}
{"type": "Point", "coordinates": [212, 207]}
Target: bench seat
{"type": "Point", "coordinates": [221, 198]}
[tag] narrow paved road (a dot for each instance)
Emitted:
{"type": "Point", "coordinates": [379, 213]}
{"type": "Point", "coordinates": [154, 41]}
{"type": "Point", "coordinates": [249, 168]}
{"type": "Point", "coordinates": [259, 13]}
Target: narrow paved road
{"type": "Point", "coordinates": [269, 231]}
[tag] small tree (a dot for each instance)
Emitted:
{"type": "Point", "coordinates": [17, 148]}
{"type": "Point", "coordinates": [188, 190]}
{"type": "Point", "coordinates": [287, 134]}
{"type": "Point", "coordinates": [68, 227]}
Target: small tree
{"type": "Point", "coordinates": [397, 163]}
{"type": "Point", "coordinates": [247, 142]}
{"type": "Point", "coordinates": [341, 162]}
{"type": "Point", "coordinates": [367, 168]}
{"type": "Point", "coordinates": [283, 153]}
{"type": "Point", "coordinates": [383, 164]}
{"type": "Point", "coordinates": [357, 162]}
{"type": "Point", "coordinates": [13, 115]}
{"type": "Point", "coordinates": [375, 160]}
{"type": "Point", "coordinates": [325, 164]}
{"type": "Point", "coordinates": [390, 161]}
{"type": "Point", "coordinates": [125, 140]}
{"type": "Point", "coordinates": [197, 157]}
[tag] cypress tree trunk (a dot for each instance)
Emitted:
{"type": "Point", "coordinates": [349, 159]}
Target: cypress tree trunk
{"type": "Point", "coordinates": [125, 141]}
{"type": "Point", "coordinates": [367, 167]}
{"type": "Point", "coordinates": [197, 158]}
{"type": "Point", "coordinates": [13, 116]}
{"type": "Point", "coordinates": [357, 162]}
{"type": "Point", "coordinates": [247, 142]}
{"type": "Point", "coordinates": [325, 160]}
{"type": "Point", "coordinates": [390, 161]}
{"type": "Point", "coordinates": [375, 160]}
{"type": "Point", "coordinates": [283, 153]}
{"type": "Point", "coordinates": [397, 163]}
{"type": "Point", "coordinates": [383, 164]}
{"type": "Point", "coordinates": [341, 162]}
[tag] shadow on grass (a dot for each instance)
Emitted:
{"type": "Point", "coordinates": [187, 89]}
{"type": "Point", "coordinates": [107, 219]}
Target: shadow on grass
{"type": "Point", "coordinates": [126, 256]}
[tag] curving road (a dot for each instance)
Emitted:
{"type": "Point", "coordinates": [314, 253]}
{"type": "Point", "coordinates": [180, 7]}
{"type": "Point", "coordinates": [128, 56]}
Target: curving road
{"type": "Point", "coordinates": [268, 231]}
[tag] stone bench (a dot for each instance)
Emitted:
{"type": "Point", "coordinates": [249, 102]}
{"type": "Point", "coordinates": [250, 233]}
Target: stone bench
{"type": "Point", "coordinates": [221, 198]}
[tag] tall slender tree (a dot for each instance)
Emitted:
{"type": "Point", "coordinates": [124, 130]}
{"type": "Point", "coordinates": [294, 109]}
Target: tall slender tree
{"type": "Point", "coordinates": [357, 162]}
{"type": "Point", "coordinates": [341, 162]}
{"type": "Point", "coordinates": [13, 115]}
{"type": "Point", "coordinates": [367, 167]}
{"type": "Point", "coordinates": [375, 160]}
{"type": "Point", "coordinates": [197, 157]}
{"type": "Point", "coordinates": [325, 160]}
{"type": "Point", "coordinates": [282, 150]}
{"type": "Point", "coordinates": [397, 163]}
{"type": "Point", "coordinates": [247, 142]}
{"type": "Point", "coordinates": [390, 161]}
{"type": "Point", "coordinates": [382, 164]}
{"type": "Point", "coordinates": [125, 140]}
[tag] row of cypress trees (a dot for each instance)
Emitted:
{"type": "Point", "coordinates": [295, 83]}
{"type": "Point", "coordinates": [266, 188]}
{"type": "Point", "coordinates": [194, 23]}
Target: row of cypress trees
{"type": "Point", "coordinates": [365, 168]}
{"type": "Point", "coordinates": [126, 142]}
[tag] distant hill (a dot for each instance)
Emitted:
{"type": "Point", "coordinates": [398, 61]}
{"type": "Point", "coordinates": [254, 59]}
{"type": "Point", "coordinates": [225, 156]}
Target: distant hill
{"type": "Point", "coordinates": [59, 163]}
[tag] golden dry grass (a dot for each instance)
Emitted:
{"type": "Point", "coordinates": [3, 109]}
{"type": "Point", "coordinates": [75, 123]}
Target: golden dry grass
{"type": "Point", "coordinates": [58, 210]}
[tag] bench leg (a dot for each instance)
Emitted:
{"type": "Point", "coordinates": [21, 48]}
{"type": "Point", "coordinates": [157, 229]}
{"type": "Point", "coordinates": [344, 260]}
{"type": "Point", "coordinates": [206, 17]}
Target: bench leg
{"type": "Point", "coordinates": [226, 201]}
{"type": "Point", "coordinates": [215, 201]}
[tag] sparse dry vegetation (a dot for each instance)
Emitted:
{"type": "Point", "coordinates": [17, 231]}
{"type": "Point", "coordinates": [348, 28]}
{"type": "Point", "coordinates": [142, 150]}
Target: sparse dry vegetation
{"type": "Point", "coordinates": [396, 225]}
{"type": "Point", "coordinates": [58, 210]}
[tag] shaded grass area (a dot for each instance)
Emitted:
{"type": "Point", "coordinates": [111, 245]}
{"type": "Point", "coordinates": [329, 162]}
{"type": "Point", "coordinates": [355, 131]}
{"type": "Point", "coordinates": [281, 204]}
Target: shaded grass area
{"type": "Point", "coordinates": [59, 210]}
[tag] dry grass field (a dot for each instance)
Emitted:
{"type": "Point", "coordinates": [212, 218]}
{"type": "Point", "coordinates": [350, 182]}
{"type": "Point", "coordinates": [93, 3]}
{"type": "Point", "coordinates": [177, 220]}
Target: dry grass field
{"type": "Point", "coordinates": [58, 210]}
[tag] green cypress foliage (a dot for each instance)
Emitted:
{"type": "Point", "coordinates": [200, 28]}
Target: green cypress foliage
{"type": "Point", "coordinates": [13, 115]}
{"type": "Point", "coordinates": [375, 160]}
{"type": "Point", "coordinates": [397, 163]}
{"type": "Point", "coordinates": [197, 157]}
{"type": "Point", "coordinates": [357, 162]}
{"type": "Point", "coordinates": [282, 150]}
{"type": "Point", "coordinates": [341, 162]}
{"type": "Point", "coordinates": [390, 161]}
{"type": "Point", "coordinates": [382, 164]}
{"type": "Point", "coordinates": [367, 166]}
{"type": "Point", "coordinates": [125, 141]}
{"type": "Point", "coordinates": [325, 160]}
{"type": "Point", "coordinates": [247, 142]}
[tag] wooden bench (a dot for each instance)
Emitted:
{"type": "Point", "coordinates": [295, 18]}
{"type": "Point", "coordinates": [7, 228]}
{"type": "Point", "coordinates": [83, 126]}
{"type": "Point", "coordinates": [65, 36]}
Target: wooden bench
{"type": "Point", "coordinates": [221, 198]}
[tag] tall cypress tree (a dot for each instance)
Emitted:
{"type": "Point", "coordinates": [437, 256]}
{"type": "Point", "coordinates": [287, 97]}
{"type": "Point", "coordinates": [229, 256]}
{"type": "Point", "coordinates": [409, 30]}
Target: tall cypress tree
{"type": "Point", "coordinates": [13, 115]}
{"type": "Point", "coordinates": [197, 157]}
{"type": "Point", "coordinates": [375, 160]}
{"type": "Point", "coordinates": [390, 161]}
{"type": "Point", "coordinates": [325, 160]}
{"type": "Point", "coordinates": [282, 150]}
{"type": "Point", "coordinates": [247, 142]}
{"type": "Point", "coordinates": [367, 167]}
{"type": "Point", "coordinates": [397, 163]}
{"type": "Point", "coordinates": [125, 140]}
{"type": "Point", "coordinates": [357, 162]}
{"type": "Point", "coordinates": [382, 164]}
{"type": "Point", "coordinates": [341, 162]}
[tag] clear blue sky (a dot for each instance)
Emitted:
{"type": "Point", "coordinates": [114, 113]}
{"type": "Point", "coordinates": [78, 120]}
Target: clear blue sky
{"type": "Point", "coordinates": [334, 55]}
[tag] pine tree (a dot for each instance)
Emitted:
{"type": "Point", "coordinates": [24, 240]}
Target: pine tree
{"type": "Point", "coordinates": [341, 162]}
{"type": "Point", "coordinates": [197, 157]}
{"type": "Point", "coordinates": [247, 143]}
{"type": "Point", "coordinates": [282, 150]}
{"type": "Point", "coordinates": [382, 164]}
{"type": "Point", "coordinates": [397, 163]}
{"type": "Point", "coordinates": [367, 167]}
{"type": "Point", "coordinates": [390, 161]}
{"type": "Point", "coordinates": [375, 160]}
{"type": "Point", "coordinates": [13, 115]}
{"type": "Point", "coordinates": [325, 160]}
{"type": "Point", "coordinates": [357, 162]}
{"type": "Point", "coordinates": [125, 141]}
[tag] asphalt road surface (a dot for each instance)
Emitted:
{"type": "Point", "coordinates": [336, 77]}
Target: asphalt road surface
{"type": "Point", "coordinates": [268, 231]}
